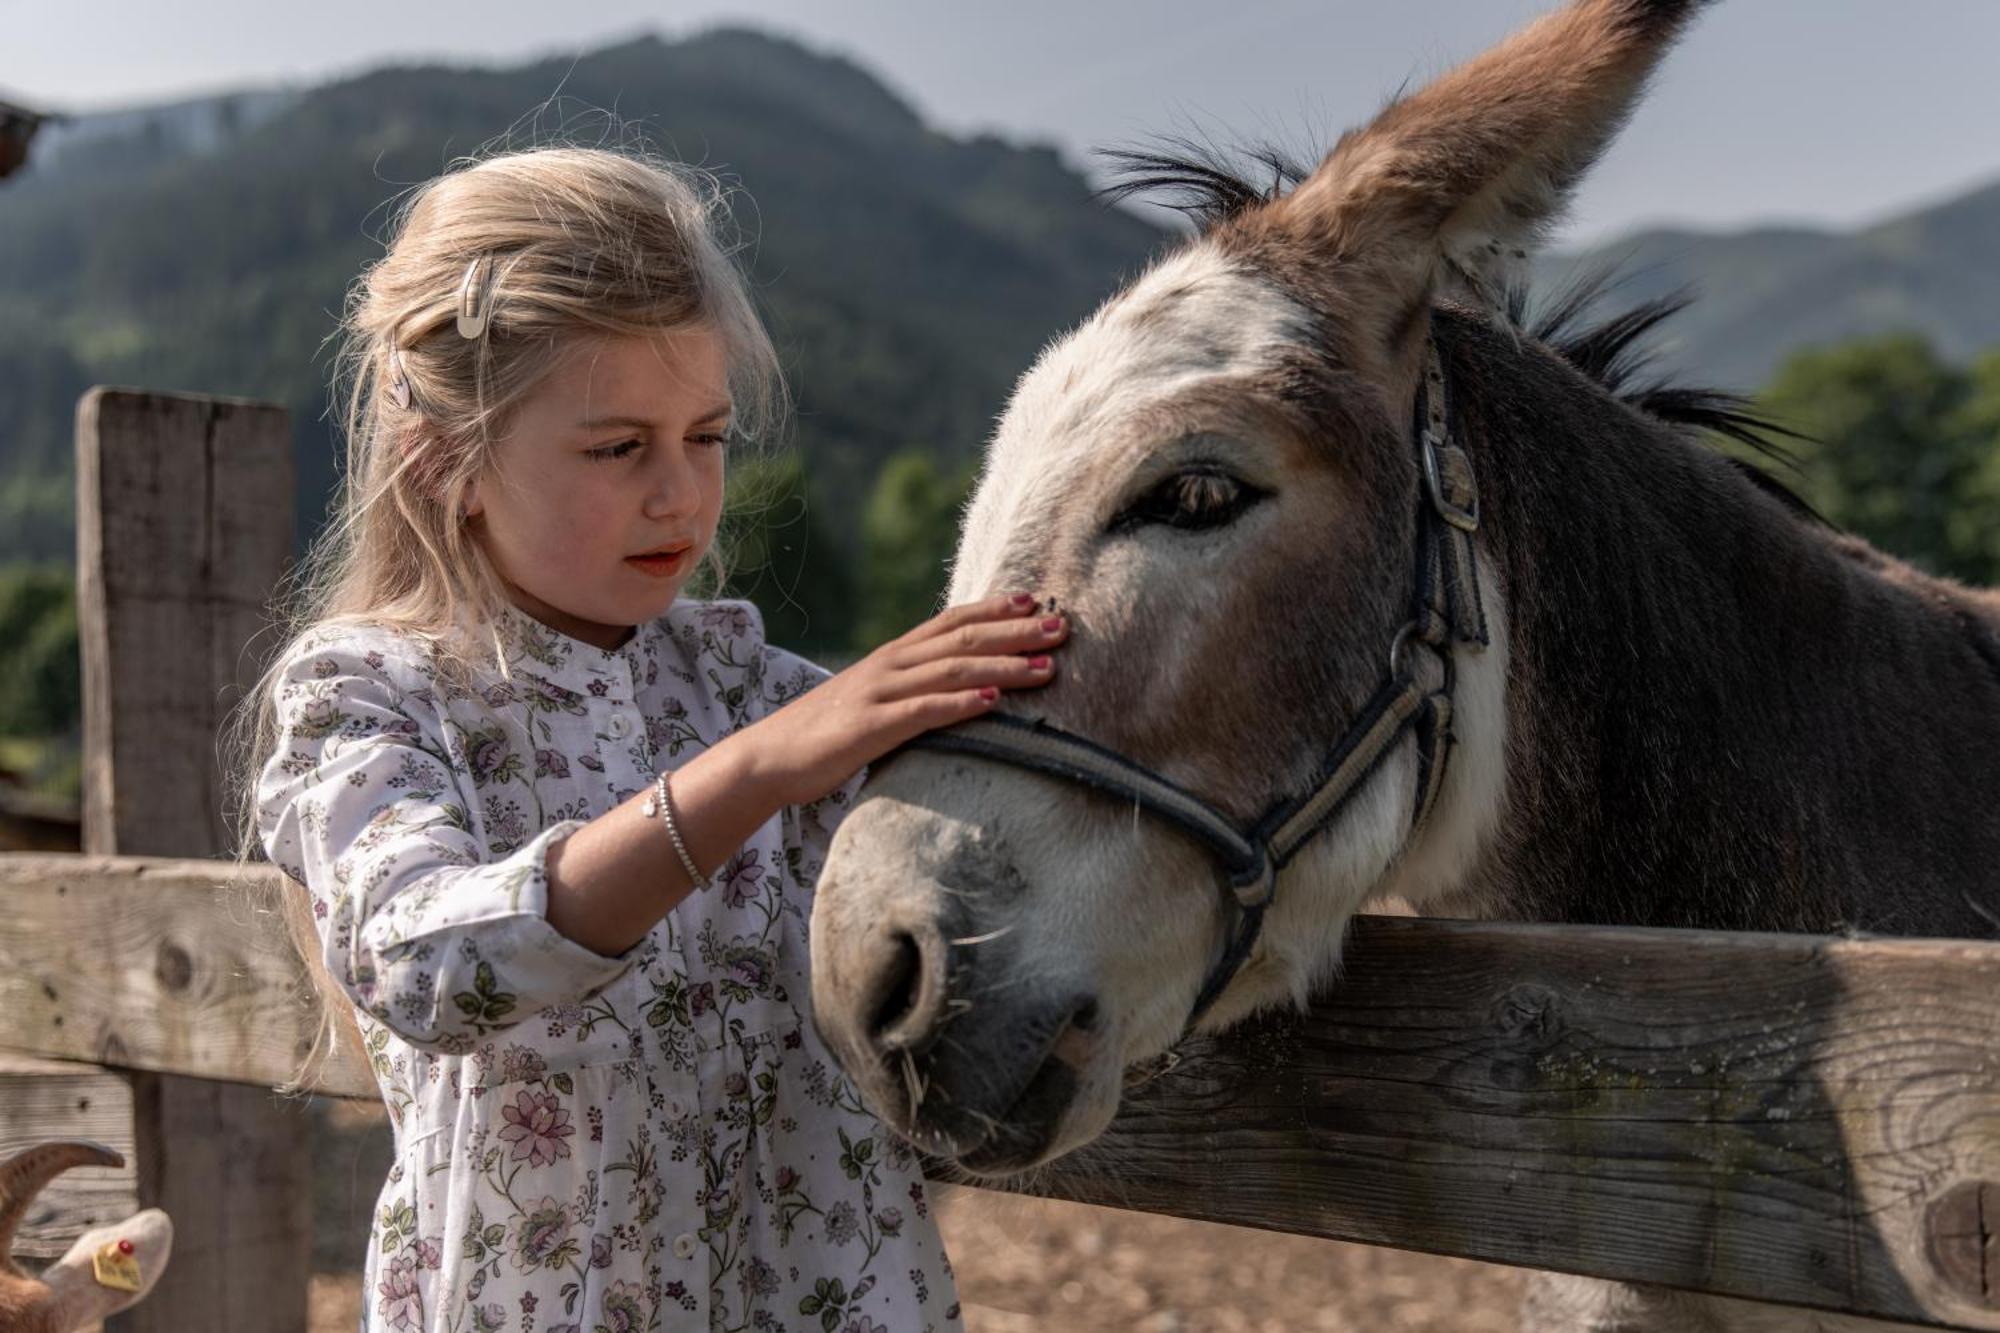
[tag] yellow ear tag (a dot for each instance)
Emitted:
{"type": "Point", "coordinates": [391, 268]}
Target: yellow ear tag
{"type": "Point", "coordinates": [116, 1267]}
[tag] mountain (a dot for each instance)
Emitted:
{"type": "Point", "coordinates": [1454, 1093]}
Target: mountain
{"type": "Point", "coordinates": [908, 276]}
{"type": "Point", "coordinates": [1763, 293]}
{"type": "Point", "coordinates": [89, 142]}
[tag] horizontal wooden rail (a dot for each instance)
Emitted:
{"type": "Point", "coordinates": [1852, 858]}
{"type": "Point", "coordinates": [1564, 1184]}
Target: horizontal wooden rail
{"type": "Point", "coordinates": [1785, 1118]}
{"type": "Point", "coordinates": [174, 966]}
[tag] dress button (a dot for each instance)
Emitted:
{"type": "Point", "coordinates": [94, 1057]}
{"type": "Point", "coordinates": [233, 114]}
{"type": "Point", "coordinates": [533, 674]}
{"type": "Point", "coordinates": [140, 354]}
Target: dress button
{"type": "Point", "coordinates": [684, 1245]}
{"type": "Point", "coordinates": [620, 726]}
{"type": "Point", "coordinates": [675, 1108]}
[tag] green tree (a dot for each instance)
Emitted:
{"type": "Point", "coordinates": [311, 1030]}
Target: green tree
{"type": "Point", "coordinates": [776, 553]}
{"type": "Point", "coordinates": [41, 677]}
{"type": "Point", "coordinates": [1976, 524]}
{"type": "Point", "coordinates": [1903, 448]}
{"type": "Point", "coordinates": [908, 533]}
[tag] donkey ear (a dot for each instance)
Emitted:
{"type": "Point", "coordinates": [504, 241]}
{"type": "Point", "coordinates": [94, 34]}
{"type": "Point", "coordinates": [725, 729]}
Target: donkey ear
{"type": "Point", "coordinates": [1466, 174]}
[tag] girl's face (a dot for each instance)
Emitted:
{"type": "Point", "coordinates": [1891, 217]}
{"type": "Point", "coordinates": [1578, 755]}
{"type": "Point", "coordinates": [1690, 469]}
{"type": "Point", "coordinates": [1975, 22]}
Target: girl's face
{"type": "Point", "coordinates": [603, 495]}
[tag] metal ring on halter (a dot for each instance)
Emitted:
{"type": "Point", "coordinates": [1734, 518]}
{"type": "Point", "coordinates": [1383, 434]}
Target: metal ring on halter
{"type": "Point", "coordinates": [1409, 631]}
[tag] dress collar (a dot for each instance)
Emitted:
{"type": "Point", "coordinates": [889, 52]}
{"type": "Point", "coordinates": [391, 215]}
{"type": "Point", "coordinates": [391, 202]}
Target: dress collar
{"type": "Point", "coordinates": [535, 649]}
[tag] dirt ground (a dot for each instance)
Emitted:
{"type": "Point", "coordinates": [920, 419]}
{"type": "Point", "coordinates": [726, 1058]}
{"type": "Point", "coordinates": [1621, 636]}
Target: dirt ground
{"type": "Point", "coordinates": [1029, 1264]}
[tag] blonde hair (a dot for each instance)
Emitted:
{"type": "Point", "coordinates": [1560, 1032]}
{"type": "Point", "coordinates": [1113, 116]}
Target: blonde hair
{"type": "Point", "coordinates": [550, 244]}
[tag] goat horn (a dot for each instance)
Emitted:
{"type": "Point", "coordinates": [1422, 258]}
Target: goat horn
{"type": "Point", "coordinates": [23, 1175]}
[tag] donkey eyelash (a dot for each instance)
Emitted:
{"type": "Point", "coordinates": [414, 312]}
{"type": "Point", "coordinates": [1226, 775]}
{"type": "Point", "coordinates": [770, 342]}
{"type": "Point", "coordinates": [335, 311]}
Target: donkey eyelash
{"type": "Point", "coordinates": [1193, 500]}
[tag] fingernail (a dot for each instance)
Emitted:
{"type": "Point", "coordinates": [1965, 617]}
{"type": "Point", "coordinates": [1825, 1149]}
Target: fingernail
{"type": "Point", "coordinates": [1052, 624]}
{"type": "Point", "coordinates": [1039, 663]}
{"type": "Point", "coordinates": [988, 693]}
{"type": "Point", "coordinates": [1024, 600]}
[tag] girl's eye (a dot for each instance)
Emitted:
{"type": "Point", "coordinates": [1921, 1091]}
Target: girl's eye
{"type": "Point", "coordinates": [709, 438]}
{"type": "Point", "coordinates": [1194, 501]}
{"type": "Point", "coordinates": [611, 451]}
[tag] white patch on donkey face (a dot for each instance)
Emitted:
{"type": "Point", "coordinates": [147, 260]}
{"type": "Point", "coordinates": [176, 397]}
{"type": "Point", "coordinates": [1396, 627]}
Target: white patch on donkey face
{"type": "Point", "coordinates": [1054, 899]}
{"type": "Point", "coordinates": [1195, 317]}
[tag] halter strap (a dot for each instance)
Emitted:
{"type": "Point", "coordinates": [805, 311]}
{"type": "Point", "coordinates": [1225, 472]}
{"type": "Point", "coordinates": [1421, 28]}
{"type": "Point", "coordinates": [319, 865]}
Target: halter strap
{"type": "Point", "coordinates": [1446, 613]}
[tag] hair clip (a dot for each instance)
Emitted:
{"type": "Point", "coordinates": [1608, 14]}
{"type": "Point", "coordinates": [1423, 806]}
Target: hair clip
{"type": "Point", "coordinates": [475, 297]}
{"type": "Point", "coordinates": [399, 383]}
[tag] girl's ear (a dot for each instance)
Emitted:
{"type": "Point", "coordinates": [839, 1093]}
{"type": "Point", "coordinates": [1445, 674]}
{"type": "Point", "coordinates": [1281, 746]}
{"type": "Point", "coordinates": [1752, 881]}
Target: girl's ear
{"type": "Point", "coordinates": [471, 506]}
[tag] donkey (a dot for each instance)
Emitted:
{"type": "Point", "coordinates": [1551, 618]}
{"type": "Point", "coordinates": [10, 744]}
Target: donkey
{"type": "Point", "coordinates": [1625, 680]}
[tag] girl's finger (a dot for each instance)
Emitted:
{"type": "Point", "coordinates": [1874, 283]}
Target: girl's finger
{"type": "Point", "coordinates": [969, 613]}
{"type": "Point", "coordinates": [950, 674]}
{"type": "Point", "coordinates": [985, 639]}
{"type": "Point", "coordinates": [927, 712]}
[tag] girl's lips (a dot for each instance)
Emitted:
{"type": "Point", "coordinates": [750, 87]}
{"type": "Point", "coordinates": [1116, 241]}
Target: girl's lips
{"type": "Point", "coordinates": [660, 564]}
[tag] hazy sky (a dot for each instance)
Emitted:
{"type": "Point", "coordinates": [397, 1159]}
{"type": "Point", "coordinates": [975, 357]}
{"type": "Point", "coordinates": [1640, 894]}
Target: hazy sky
{"type": "Point", "coordinates": [1836, 111]}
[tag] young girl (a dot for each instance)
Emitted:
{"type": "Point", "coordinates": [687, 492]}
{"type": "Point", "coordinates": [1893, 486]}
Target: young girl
{"type": "Point", "coordinates": [560, 829]}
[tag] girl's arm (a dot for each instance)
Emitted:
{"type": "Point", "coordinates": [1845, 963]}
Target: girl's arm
{"type": "Point", "coordinates": [434, 933]}
{"type": "Point", "coordinates": [612, 879]}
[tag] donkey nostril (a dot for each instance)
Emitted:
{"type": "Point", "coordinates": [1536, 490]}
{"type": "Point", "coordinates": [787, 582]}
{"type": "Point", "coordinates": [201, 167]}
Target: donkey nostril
{"type": "Point", "coordinates": [901, 981]}
{"type": "Point", "coordinates": [1085, 1017]}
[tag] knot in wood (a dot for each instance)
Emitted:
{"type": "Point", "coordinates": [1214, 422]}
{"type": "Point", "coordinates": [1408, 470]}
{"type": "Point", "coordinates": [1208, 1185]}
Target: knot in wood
{"type": "Point", "coordinates": [1962, 1238]}
{"type": "Point", "coordinates": [173, 967]}
{"type": "Point", "coordinates": [1528, 1011]}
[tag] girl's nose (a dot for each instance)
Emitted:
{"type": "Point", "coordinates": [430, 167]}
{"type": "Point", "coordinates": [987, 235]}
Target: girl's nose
{"type": "Point", "coordinates": [674, 489]}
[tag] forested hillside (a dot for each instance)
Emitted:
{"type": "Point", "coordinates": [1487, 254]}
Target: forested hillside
{"type": "Point", "coordinates": [1764, 293]}
{"type": "Point", "coordinates": [908, 276]}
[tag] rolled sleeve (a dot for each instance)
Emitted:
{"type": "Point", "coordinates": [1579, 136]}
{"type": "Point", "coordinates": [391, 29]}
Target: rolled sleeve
{"type": "Point", "coordinates": [361, 802]}
{"type": "Point", "coordinates": [808, 828]}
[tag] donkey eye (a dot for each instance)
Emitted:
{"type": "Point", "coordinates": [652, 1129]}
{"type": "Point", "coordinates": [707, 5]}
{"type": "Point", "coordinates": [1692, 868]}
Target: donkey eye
{"type": "Point", "coordinates": [1194, 500]}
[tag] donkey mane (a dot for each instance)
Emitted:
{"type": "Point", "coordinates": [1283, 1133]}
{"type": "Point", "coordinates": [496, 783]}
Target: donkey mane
{"type": "Point", "coordinates": [1210, 187]}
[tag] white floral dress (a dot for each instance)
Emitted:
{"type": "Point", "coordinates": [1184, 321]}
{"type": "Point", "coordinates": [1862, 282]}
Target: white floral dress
{"type": "Point", "coordinates": [587, 1144]}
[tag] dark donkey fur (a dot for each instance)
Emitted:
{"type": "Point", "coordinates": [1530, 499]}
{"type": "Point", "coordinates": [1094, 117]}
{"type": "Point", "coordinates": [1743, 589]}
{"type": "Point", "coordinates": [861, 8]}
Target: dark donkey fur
{"type": "Point", "coordinates": [1722, 712]}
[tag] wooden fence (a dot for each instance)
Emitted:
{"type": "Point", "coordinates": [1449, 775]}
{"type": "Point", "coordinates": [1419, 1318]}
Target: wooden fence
{"type": "Point", "coordinates": [1795, 1119]}
{"type": "Point", "coordinates": [184, 527]}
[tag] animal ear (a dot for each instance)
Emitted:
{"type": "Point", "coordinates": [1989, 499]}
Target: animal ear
{"type": "Point", "coordinates": [23, 1175]}
{"type": "Point", "coordinates": [1464, 175]}
{"type": "Point", "coordinates": [79, 1298]}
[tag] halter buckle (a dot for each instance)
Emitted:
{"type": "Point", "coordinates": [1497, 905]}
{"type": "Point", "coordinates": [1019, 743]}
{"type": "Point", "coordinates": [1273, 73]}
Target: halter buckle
{"type": "Point", "coordinates": [1448, 480]}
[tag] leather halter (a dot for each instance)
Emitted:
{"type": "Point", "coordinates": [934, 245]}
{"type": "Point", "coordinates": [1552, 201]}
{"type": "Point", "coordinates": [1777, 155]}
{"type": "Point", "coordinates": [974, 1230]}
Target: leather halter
{"type": "Point", "coordinates": [1445, 614]}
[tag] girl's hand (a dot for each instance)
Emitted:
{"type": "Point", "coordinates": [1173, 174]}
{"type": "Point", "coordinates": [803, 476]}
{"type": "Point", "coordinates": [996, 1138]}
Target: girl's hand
{"type": "Point", "coordinates": [612, 879]}
{"type": "Point", "coordinates": [951, 667]}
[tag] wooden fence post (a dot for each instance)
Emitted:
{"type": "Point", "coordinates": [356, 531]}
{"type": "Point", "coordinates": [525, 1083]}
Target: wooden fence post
{"type": "Point", "coordinates": [184, 527]}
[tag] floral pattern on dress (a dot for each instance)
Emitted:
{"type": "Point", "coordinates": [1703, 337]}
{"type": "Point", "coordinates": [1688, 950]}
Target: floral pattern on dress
{"type": "Point", "coordinates": [586, 1144]}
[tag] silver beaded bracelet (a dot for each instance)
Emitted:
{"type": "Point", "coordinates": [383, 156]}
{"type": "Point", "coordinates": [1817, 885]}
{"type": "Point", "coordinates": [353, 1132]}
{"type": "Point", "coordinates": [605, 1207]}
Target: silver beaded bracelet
{"type": "Point", "coordinates": [662, 804]}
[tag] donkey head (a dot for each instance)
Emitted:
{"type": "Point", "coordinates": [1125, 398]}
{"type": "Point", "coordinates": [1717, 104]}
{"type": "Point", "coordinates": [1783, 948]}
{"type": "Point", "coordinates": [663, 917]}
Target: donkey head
{"type": "Point", "coordinates": [1213, 477]}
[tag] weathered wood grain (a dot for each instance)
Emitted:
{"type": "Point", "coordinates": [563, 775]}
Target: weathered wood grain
{"type": "Point", "coordinates": [42, 1100]}
{"type": "Point", "coordinates": [1788, 1118]}
{"type": "Point", "coordinates": [184, 530]}
{"type": "Point", "coordinates": [1763, 1116]}
{"type": "Point", "coordinates": [173, 966]}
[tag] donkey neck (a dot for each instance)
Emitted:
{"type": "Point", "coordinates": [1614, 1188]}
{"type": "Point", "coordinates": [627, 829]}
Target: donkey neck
{"type": "Point", "coordinates": [1720, 713]}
